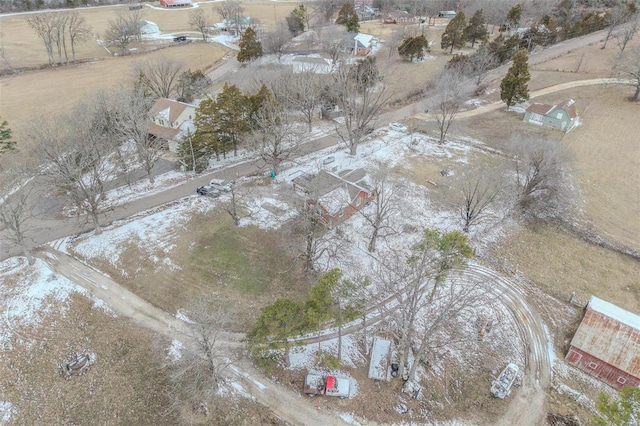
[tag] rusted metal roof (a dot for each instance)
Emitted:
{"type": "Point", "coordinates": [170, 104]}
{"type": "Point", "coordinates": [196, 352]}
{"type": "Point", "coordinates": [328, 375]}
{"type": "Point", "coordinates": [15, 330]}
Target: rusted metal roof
{"type": "Point", "coordinates": [546, 109]}
{"type": "Point", "coordinates": [610, 334]}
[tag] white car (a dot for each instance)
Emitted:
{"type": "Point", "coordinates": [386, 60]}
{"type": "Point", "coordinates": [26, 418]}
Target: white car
{"type": "Point", "coordinates": [220, 185]}
{"type": "Point", "coordinates": [398, 126]}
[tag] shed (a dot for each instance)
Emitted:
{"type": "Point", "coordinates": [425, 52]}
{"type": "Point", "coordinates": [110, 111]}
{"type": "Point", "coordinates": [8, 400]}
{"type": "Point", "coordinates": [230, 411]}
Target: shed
{"type": "Point", "coordinates": [380, 359]}
{"type": "Point", "coordinates": [562, 116]}
{"type": "Point", "coordinates": [607, 344]}
{"type": "Point", "coordinates": [148, 27]}
{"type": "Point", "coordinates": [176, 3]}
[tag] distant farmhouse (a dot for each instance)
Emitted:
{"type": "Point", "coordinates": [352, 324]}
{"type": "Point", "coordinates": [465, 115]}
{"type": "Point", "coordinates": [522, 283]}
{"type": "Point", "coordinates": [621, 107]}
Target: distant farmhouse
{"type": "Point", "coordinates": [335, 197]}
{"type": "Point", "coordinates": [171, 121]}
{"type": "Point", "coordinates": [176, 3]}
{"type": "Point", "coordinates": [607, 344]}
{"type": "Point", "coordinates": [562, 116]}
{"type": "Point", "coordinates": [447, 14]}
{"type": "Point", "coordinates": [358, 44]}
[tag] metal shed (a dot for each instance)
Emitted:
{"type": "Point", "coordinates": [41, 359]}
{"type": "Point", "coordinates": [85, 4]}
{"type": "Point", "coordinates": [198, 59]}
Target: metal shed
{"type": "Point", "coordinates": [607, 344]}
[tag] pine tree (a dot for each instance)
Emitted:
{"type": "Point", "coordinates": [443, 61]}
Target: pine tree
{"type": "Point", "coordinates": [413, 47]}
{"type": "Point", "coordinates": [477, 28]}
{"type": "Point", "coordinates": [623, 412]}
{"type": "Point", "coordinates": [231, 116]}
{"type": "Point", "coordinates": [6, 144]}
{"type": "Point", "coordinates": [453, 35]}
{"type": "Point", "coordinates": [250, 46]}
{"type": "Point", "coordinates": [514, 87]}
{"type": "Point", "coordinates": [348, 17]}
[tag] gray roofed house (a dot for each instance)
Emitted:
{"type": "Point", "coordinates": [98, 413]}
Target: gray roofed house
{"type": "Point", "coordinates": [562, 116]}
{"type": "Point", "coordinates": [335, 197]}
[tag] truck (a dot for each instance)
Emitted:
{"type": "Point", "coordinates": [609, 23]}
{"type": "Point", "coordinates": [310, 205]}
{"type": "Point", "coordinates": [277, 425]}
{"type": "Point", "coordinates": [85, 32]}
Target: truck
{"type": "Point", "coordinates": [316, 384]}
{"type": "Point", "coordinates": [501, 387]}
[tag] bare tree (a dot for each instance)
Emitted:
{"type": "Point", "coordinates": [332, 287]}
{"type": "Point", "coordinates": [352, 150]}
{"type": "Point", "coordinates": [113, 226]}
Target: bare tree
{"type": "Point", "coordinates": [130, 127]}
{"type": "Point", "coordinates": [447, 92]}
{"type": "Point", "coordinates": [160, 75]}
{"type": "Point", "coordinates": [122, 30]}
{"type": "Point", "coordinates": [543, 180]}
{"type": "Point", "coordinates": [44, 25]}
{"type": "Point", "coordinates": [478, 191]}
{"type": "Point", "coordinates": [383, 206]}
{"type": "Point", "coordinates": [79, 31]}
{"type": "Point", "coordinates": [616, 17]}
{"type": "Point", "coordinates": [73, 150]}
{"type": "Point", "coordinates": [15, 213]}
{"type": "Point", "coordinates": [300, 92]}
{"type": "Point", "coordinates": [275, 42]}
{"type": "Point", "coordinates": [360, 95]}
{"type": "Point", "coordinates": [482, 61]}
{"type": "Point", "coordinates": [411, 283]}
{"type": "Point", "coordinates": [332, 40]}
{"type": "Point", "coordinates": [231, 12]}
{"type": "Point", "coordinates": [628, 65]}
{"type": "Point", "coordinates": [625, 34]}
{"type": "Point", "coordinates": [276, 138]}
{"type": "Point", "coordinates": [199, 19]}
{"type": "Point", "coordinates": [197, 375]}
{"type": "Point", "coordinates": [59, 35]}
{"type": "Point", "coordinates": [326, 8]}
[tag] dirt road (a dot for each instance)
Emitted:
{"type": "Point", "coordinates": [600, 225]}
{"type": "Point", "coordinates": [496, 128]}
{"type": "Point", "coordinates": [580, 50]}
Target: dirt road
{"type": "Point", "coordinates": [287, 405]}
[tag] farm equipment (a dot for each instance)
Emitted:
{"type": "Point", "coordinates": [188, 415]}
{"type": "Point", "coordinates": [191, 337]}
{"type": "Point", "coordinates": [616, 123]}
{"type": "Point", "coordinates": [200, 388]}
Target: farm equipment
{"type": "Point", "coordinates": [501, 387]}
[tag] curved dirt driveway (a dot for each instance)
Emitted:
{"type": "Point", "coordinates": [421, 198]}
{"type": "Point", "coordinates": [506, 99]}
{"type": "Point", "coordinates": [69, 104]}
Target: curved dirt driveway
{"type": "Point", "coordinates": [284, 403]}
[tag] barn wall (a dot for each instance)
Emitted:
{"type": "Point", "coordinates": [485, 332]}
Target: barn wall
{"type": "Point", "coordinates": [600, 369]}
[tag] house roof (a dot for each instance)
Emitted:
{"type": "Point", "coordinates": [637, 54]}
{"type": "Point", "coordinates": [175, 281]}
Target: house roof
{"type": "Point", "coordinates": [169, 109]}
{"type": "Point", "coordinates": [311, 60]}
{"type": "Point", "coordinates": [176, 2]}
{"type": "Point", "coordinates": [610, 334]}
{"type": "Point", "coordinates": [365, 39]}
{"type": "Point", "coordinates": [546, 109]}
{"type": "Point", "coordinates": [163, 132]}
{"type": "Point", "coordinates": [333, 192]}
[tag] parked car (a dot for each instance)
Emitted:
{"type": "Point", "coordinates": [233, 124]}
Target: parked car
{"type": "Point", "coordinates": [208, 190]}
{"type": "Point", "coordinates": [221, 185]}
{"type": "Point", "coordinates": [398, 126]}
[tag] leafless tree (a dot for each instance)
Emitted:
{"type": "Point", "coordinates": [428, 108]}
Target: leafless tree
{"type": "Point", "coordinates": [478, 191]}
{"type": "Point", "coordinates": [300, 92]}
{"type": "Point", "coordinates": [3, 54]}
{"type": "Point", "coordinates": [616, 18]}
{"type": "Point", "coordinates": [543, 178]}
{"type": "Point", "coordinates": [360, 96]}
{"type": "Point", "coordinates": [198, 374]}
{"type": "Point", "coordinates": [275, 138]}
{"type": "Point", "coordinates": [447, 92]}
{"type": "Point", "coordinates": [393, 41]}
{"type": "Point", "coordinates": [15, 214]}
{"type": "Point", "coordinates": [200, 20]}
{"type": "Point", "coordinates": [59, 35]}
{"type": "Point", "coordinates": [448, 312]}
{"type": "Point", "coordinates": [627, 31]}
{"type": "Point", "coordinates": [385, 204]}
{"type": "Point", "coordinates": [275, 42]}
{"type": "Point", "coordinates": [332, 39]}
{"type": "Point", "coordinates": [73, 150]}
{"type": "Point", "coordinates": [121, 31]}
{"type": "Point", "coordinates": [628, 65]}
{"type": "Point", "coordinates": [411, 283]}
{"type": "Point", "coordinates": [482, 61]}
{"type": "Point", "coordinates": [231, 12]}
{"type": "Point", "coordinates": [79, 31]}
{"type": "Point", "coordinates": [326, 8]}
{"type": "Point", "coordinates": [44, 25]}
{"type": "Point", "coordinates": [130, 128]}
{"type": "Point", "coordinates": [160, 75]}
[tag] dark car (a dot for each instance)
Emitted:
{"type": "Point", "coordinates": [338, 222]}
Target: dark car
{"type": "Point", "coordinates": [208, 191]}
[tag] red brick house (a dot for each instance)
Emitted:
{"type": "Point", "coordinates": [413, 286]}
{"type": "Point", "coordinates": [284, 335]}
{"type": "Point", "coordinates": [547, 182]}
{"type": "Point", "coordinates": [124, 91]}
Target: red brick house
{"type": "Point", "coordinates": [335, 197]}
{"type": "Point", "coordinates": [607, 344]}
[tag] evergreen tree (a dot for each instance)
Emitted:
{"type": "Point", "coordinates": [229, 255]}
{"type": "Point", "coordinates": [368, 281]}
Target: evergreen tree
{"type": "Point", "coordinates": [514, 87]}
{"type": "Point", "coordinates": [454, 35]}
{"type": "Point", "coordinates": [295, 20]}
{"type": "Point", "coordinates": [250, 46]}
{"type": "Point", "coordinates": [231, 117]}
{"type": "Point", "coordinates": [622, 412]}
{"type": "Point", "coordinates": [477, 28]}
{"type": "Point", "coordinates": [6, 144]}
{"type": "Point", "coordinates": [413, 47]}
{"type": "Point", "coordinates": [513, 17]}
{"type": "Point", "coordinates": [348, 17]}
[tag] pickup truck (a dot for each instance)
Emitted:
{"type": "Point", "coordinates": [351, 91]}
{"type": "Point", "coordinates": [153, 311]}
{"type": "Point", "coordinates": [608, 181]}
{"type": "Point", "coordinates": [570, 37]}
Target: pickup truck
{"type": "Point", "coordinates": [315, 384]}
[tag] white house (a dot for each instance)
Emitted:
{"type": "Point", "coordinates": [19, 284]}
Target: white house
{"type": "Point", "coordinates": [148, 27]}
{"type": "Point", "coordinates": [171, 121]}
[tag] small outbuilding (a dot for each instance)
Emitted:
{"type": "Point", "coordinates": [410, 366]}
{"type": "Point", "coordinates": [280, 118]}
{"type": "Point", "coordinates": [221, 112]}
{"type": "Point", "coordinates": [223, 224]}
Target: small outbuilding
{"type": "Point", "coordinates": [607, 344]}
{"type": "Point", "coordinates": [148, 27]}
{"type": "Point", "coordinates": [176, 3]}
{"type": "Point", "coordinates": [562, 116]}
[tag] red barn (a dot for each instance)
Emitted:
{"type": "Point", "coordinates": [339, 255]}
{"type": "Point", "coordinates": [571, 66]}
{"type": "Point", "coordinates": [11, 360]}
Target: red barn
{"type": "Point", "coordinates": [176, 3]}
{"type": "Point", "coordinates": [607, 344]}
